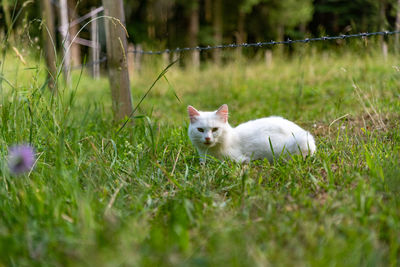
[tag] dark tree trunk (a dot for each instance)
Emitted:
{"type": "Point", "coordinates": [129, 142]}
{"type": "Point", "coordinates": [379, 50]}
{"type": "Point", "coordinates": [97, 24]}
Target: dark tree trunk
{"type": "Point", "coordinates": [48, 35]}
{"type": "Point", "coordinates": [240, 33]}
{"type": "Point", "coordinates": [193, 34]}
{"type": "Point", "coordinates": [280, 35]}
{"type": "Point", "coordinates": [218, 28]}
{"type": "Point", "coordinates": [382, 26]}
{"type": "Point", "coordinates": [397, 26]}
{"type": "Point", "coordinates": [75, 48]}
{"type": "Point", "coordinates": [6, 10]}
{"type": "Point", "coordinates": [151, 31]}
{"type": "Point", "coordinates": [208, 10]}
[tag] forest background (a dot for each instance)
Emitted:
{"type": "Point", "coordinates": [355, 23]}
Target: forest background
{"type": "Point", "coordinates": [160, 24]}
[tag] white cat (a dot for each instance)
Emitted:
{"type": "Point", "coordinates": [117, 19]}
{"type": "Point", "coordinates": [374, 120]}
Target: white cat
{"type": "Point", "coordinates": [212, 135]}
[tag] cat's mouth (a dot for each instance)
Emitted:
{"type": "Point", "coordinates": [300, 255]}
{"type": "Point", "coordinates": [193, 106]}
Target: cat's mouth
{"type": "Point", "coordinates": [207, 143]}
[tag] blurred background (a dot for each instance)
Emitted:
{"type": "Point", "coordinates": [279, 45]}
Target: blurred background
{"type": "Point", "coordinates": [161, 24]}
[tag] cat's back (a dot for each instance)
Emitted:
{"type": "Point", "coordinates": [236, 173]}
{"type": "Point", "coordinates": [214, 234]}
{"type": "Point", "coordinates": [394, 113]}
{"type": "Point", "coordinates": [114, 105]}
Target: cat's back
{"type": "Point", "coordinates": [269, 125]}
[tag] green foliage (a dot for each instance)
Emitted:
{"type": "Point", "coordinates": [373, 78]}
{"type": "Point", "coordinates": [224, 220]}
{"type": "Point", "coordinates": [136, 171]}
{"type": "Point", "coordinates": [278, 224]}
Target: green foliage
{"type": "Point", "coordinates": [247, 5]}
{"type": "Point", "coordinates": [362, 15]}
{"type": "Point", "coordinates": [290, 13]}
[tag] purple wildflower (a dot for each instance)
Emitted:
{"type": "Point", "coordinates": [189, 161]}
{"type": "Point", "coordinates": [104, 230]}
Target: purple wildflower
{"type": "Point", "coordinates": [21, 158]}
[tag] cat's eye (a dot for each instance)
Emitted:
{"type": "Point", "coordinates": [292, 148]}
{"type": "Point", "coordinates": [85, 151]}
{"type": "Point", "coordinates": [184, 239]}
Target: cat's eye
{"type": "Point", "coordinates": [200, 130]}
{"type": "Point", "coordinates": [214, 129]}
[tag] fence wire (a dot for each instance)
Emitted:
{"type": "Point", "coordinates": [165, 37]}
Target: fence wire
{"type": "Point", "coordinates": [262, 44]}
{"type": "Point", "coordinates": [259, 44]}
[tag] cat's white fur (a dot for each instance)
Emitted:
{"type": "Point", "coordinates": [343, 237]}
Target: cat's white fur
{"type": "Point", "coordinates": [212, 135]}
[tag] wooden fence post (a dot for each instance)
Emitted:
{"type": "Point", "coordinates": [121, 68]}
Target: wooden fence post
{"type": "Point", "coordinates": [166, 59]}
{"type": "Point", "coordinates": [94, 33]}
{"type": "Point", "coordinates": [117, 59]}
{"type": "Point", "coordinates": [268, 57]}
{"type": "Point", "coordinates": [175, 56]}
{"type": "Point", "coordinates": [48, 33]}
{"type": "Point", "coordinates": [73, 31]}
{"type": "Point", "coordinates": [138, 58]}
{"type": "Point", "coordinates": [66, 39]}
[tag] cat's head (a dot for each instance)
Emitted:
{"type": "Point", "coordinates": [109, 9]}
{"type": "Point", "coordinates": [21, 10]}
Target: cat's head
{"type": "Point", "coordinates": [206, 129]}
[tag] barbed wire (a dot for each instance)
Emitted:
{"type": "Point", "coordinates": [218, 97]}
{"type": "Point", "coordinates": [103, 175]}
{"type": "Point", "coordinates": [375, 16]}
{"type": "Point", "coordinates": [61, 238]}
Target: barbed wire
{"type": "Point", "coordinates": [270, 43]}
{"type": "Point", "coordinates": [259, 44]}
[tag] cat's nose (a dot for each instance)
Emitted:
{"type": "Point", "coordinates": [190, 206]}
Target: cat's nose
{"type": "Point", "coordinates": [208, 139]}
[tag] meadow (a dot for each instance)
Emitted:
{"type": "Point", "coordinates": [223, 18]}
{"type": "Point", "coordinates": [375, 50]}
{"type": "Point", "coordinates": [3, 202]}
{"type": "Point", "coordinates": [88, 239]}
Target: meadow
{"type": "Point", "coordinates": [139, 197]}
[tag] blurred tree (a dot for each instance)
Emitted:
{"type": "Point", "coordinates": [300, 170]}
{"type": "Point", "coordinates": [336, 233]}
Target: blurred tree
{"type": "Point", "coordinates": [151, 30]}
{"type": "Point", "coordinates": [158, 24]}
{"type": "Point", "coordinates": [48, 35]}
{"type": "Point", "coordinates": [245, 8]}
{"type": "Point", "coordinates": [288, 14]}
{"type": "Point", "coordinates": [341, 16]}
{"type": "Point", "coordinates": [208, 10]}
{"type": "Point", "coordinates": [397, 27]}
{"type": "Point", "coordinates": [193, 34]}
{"type": "Point", "coordinates": [217, 19]}
{"type": "Point", "coordinates": [73, 30]}
{"type": "Point", "coordinates": [6, 10]}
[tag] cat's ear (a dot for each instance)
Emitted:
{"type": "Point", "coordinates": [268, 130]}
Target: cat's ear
{"type": "Point", "coordinates": [193, 113]}
{"type": "Point", "coordinates": [222, 112]}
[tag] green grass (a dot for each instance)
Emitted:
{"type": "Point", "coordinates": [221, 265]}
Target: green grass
{"type": "Point", "coordinates": [145, 200]}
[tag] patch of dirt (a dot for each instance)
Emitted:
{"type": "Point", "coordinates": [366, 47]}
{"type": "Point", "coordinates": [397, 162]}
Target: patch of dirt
{"type": "Point", "coordinates": [321, 197]}
{"type": "Point", "coordinates": [358, 124]}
